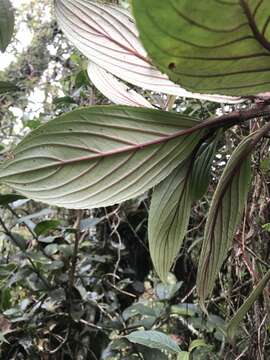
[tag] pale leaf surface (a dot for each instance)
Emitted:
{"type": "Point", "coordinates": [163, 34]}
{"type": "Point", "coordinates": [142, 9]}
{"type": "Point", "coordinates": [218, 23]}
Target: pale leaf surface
{"type": "Point", "coordinates": [99, 156]}
{"type": "Point", "coordinates": [115, 90]}
{"type": "Point", "coordinates": [106, 34]}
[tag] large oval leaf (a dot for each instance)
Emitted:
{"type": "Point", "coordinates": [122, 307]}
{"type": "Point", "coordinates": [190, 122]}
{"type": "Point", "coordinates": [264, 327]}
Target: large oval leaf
{"type": "Point", "coordinates": [224, 215]}
{"type": "Point", "coordinates": [6, 23]}
{"type": "Point", "coordinates": [106, 35]}
{"type": "Point", "coordinates": [99, 156]}
{"type": "Point", "coordinates": [168, 218]}
{"type": "Point", "coordinates": [209, 46]}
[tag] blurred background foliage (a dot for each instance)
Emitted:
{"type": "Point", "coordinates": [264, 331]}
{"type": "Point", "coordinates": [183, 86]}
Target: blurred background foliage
{"type": "Point", "coordinates": [75, 284]}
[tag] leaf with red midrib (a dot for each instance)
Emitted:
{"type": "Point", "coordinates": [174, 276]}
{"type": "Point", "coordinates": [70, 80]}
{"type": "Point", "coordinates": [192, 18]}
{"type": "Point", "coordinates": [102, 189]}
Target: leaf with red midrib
{"type": "Point", "coordinates": [100, 156]}
{"type": "Point", "coordinates": [107, 35]}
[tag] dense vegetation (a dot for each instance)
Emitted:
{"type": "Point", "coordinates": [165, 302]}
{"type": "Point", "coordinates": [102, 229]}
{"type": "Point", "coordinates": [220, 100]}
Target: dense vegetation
{"type": "Point", "coordinates": [138, 230]}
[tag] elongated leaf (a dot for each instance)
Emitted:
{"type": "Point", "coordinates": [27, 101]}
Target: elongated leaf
{"type": "Point", "coordinates": [209, 46]}
{"type": "Point", "coordinates": [106, 35]}
{"type": "Point", "coordinates": [168, 218]}
{"type": "Point", "coordinates": [99, 156]}
{"type": "Point", "coordinates": [241, 313]}
{"type": "Point", "coordinates": [155, 340]}
{"type": "Point", "coordinates": [6, 24]}
{"type": "Point", "coordinates": [201, 171]}
{"type": "Point", "coordinates": [223, 217]}
{"type": "Point", "coordinates": [7, 86]}
{"type": "Point", "coordinates": [114, 89]}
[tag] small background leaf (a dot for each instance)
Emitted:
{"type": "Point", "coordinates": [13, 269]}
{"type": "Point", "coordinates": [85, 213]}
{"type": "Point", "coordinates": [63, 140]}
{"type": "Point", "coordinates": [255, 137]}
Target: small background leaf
{"type": "Point", "coordinates": [44, 227]}
{"type": "Point", "coordinates": [6, 24]}
{"type": "Point", "coordinates": [183, 355]}
{"type": "Point", "coordinates": [7, 86]}
{"type": "Point", "coordinates": [6, 199]}
{"type": "Point", "coordinates": [154, 339]}
{"type": "Point", "coordinates": [196, 343]}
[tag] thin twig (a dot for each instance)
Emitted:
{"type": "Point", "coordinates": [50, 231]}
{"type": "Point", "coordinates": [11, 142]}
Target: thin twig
{"type": "Point", "coordinates": [78, 238]}
{"type": "Point", "coordinates": [14, 240]}
{"type": "Point", "coordinates": [64, 341]}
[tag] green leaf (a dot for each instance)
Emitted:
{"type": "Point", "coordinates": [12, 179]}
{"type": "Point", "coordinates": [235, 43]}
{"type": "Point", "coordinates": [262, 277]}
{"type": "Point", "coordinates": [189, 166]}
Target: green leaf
{"type": "Point", "coordinates": [201, 171]}
{"type": "Point", "coordinates": [265, 165]}
{"type": "Point", "coordinates": [99, 156]}
{"type": "Point", "coordinates": [186, 309]}
{"type": "Point", "coordinates": [196, 343]}
{"type": "Point", "coordinates": [7, 86]}
{"type": "Point", "coordinates": [224, 215]}
{"type": "Point", "coordinates": [51, 249]}
{"type": "Point", "coordinates": [167, 291]}
{"type": "Point", "coordinates": [168, 218]}
{"type": "Point", "coordinates": [119, 50]}
{"type": "Point", "coordinates": [63, 101]}
{"type": "Point", "coordinates": [2, 338]}
{"type": "Point", "coordinates": [217, 47]}
{"type": "Point", "coordinates": [6, 23]}
{"type": "Point", "coordinates": [266, 227]}
{"type": "Point", "coordinates": [154, 339]}
{"type": "Point", "coordinates": [18, 240]}
{"type": "Point", "coordinates": [54, 265]}
{"type": "Point", "coordinates": [6, 199]}
{"type": "Point", "coordinates": [82, 79]}
{"type": "Point", "coordinates": [150, 354]}
{"type": "Point", "coordinates": [138, 309]}
{"type": "Point", "coordinates": [44, 227]}
{"type": "Point", "coordinates": [33, 124]}
{"type": "Point", "coordinates": [239, 316]}
{"type": "Point", "coordinates": [203, 353]}
{"type": "Point", "coordinates": [183, 355]}
{"type": "Point", "coordinates": [88, 223]}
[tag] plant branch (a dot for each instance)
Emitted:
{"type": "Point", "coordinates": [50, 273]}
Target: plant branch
{"type": "Point", "coordinates": [235, 117]}
{"type": "Point", "coordinates": [14, 240]}
{"type": "Point", "coordinates": [78, 238]}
